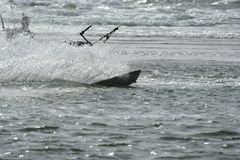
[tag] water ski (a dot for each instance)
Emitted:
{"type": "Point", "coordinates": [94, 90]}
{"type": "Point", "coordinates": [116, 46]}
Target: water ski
{"type": "Point", "coordinates": [120, 81]}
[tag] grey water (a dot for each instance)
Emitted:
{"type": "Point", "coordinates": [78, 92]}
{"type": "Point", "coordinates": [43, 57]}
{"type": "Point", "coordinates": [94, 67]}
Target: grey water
{"type": "Point", "coordinates": [185, 104]}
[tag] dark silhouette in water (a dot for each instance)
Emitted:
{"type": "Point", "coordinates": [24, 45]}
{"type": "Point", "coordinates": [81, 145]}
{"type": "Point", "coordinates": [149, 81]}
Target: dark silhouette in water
{"type": "Point", "coordinates": [24, 29]}
{"type": "Point", "coordinates": [107, 36]}
{"type": "Point", "coordinates": [123, 80]}
{"type": "Point", "coordinates": [87, 42]}
{"type": "Point", "coordinates": [81, 43]}
{"type": "Point", "coordinates": [3, 26]}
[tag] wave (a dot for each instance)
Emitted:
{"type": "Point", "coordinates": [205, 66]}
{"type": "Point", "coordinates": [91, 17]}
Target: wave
{"type": "Point", "coordinates": [226, 2]}
{"type": "Point", "coordinates": [181, 13]}
{"type": "Point", "coordinates": [131, 32]}
{"type": "Point", "coordinates": [220, 133]}
{"type": "Point", "coordinates": [40, 129]}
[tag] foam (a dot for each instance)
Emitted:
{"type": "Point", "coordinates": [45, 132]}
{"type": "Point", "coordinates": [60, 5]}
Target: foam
{"type": "Point", "coordinates": [24, 59]}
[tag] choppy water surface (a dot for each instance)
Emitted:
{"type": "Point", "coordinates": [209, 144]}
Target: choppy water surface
{"type": "Point", "coordinates": [168, 18]}
{"type": "Point", "coordinates": [184, 106]}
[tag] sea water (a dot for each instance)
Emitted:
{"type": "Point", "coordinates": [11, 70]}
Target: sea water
{"type": "Point", "coordinates": [185, 104]}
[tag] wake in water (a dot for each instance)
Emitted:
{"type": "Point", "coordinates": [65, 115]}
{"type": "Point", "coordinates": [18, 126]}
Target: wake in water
{"type": "Point", "coordinates": [25, 60]}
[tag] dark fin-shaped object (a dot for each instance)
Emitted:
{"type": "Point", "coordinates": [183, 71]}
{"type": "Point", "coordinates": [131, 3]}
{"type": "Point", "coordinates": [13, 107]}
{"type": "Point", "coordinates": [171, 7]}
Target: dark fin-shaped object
{"type": "Point", "coordinates": [120, 81]}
